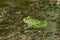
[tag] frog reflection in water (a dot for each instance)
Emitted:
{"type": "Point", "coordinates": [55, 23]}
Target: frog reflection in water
{"type": "Point", "coordinates": [34, 23]}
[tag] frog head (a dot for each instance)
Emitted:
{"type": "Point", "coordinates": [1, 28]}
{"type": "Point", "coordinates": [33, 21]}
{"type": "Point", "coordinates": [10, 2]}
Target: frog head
{"type": "Point", "coordinates": [26, 19]}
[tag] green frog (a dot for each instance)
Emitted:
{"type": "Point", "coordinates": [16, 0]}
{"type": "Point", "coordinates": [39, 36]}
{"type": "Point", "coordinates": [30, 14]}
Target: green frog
{"type": "Point", "coordinates": [34, 23]}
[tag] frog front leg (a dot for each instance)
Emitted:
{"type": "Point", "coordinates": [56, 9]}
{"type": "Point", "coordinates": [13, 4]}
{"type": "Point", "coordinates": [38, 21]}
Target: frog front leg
{"type": "Point", "coordinates": [29, 25]}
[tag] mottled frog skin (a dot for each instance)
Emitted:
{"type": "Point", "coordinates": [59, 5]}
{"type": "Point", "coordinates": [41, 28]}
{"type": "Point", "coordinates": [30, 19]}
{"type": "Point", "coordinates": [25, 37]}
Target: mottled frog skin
{"type": "Point", "coordinates": [34, 23]}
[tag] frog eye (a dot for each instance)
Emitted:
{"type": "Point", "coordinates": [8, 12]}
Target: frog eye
{"type": "Point", "coordinates": [28, 17]}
